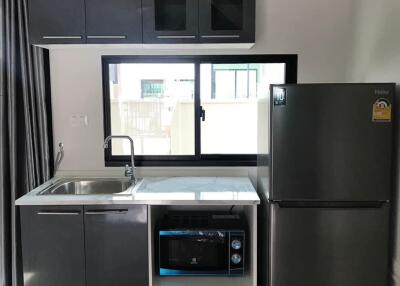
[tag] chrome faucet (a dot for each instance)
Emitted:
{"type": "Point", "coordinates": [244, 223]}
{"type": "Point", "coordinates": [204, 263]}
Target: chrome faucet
{"type": "Point", "coordinates": [59, 157]}
{"type": "Point", "coordinates": [129, 171]}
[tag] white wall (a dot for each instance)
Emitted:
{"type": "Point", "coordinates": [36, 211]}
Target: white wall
{"type": "Point", "coordinates": [376, 58]}
{"type": "Point", "coordinates": [319, 31]}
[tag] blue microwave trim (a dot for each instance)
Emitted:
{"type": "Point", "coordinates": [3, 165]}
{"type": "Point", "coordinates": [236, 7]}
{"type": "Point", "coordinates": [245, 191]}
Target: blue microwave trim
{"type": "Point", "coordinates": [179, 233]}
{"type": "Point", "coordinates": [172, 272]}
{"type": "Point", "coordinates": [198, 232]}
{"type": "Point", "coordinates": [193, 233]}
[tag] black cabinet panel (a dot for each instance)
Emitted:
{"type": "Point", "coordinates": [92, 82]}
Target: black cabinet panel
{"type": "Point", "coordinates": [227, 15]}
{"type": "Point", "coordinates": [170, 15]}
{"type": "Point", "coordinates": [53, 245]}
{"type": "Point", "coordinates": [170, 21]}
{"type": "Point", "coordinates": [113, 21]}
{"type": "Point", "coordinates": [56, 21]}
{"type": "Point", "coordinates": [227, 21]}
{"type": "Point", "coordinates": [116, 239]}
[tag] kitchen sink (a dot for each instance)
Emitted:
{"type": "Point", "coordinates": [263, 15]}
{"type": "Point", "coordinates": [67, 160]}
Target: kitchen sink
{"type": "Point", "coordinates": [89, 187]}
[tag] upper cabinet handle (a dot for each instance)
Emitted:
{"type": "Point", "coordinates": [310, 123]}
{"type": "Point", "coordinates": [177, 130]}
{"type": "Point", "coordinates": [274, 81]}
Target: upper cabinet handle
{"type": "Point", "coordinates": [221, 36]}
{"type": "Point", "coordinates": [106, 37]}
{"type": "Point", "coordinates": [176, 37]}
{"type": "Point", "coordinates": [62, 37]}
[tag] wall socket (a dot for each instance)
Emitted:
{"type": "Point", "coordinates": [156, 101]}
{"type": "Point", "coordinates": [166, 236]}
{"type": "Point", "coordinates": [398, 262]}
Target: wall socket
{"type": "Point", "coordinates": [78, 120]}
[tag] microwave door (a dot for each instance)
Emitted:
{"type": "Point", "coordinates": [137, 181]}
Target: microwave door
{"type": "Point", "coordinates": [192, 254]}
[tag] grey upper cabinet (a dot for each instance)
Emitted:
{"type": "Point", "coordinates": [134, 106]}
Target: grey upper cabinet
{"type": "Point", "coordinates": [227, 21]}
{"type": "Point", "coordinates": [113, 21]}
{"type": "Point", "coordinates": [141, 21]}
{"type": "Point", "coordinates": [56, 21]}
{"type": "Point", "coordinates": [170, 21]}
{"type": "Point", "coordinates": [53, 245]}
{"type": "Point", "coordinates": [116, 240]}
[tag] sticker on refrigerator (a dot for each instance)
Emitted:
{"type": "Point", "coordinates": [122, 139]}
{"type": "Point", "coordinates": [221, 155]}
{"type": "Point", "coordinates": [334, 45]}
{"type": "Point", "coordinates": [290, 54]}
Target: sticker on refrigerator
{"type": "Point", "coordinates": [382, 111]}
{"type": "Point", "coordinates": [279, 96]}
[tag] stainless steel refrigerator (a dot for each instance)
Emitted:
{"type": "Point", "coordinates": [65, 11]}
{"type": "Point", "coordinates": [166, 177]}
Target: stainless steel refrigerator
{"type": "Point", "coordinates": [327, 195]}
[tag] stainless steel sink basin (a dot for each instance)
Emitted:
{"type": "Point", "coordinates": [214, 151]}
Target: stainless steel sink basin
{"type": "Point", "coordinates": [89, 187]}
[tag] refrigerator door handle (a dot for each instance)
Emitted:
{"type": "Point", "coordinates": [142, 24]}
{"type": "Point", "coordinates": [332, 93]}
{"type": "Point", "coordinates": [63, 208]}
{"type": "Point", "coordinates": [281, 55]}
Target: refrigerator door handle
{"type": "Point", "coordinates": [339, 205]}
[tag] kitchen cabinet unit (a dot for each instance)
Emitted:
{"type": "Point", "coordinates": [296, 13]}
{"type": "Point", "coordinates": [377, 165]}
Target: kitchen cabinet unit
{"type": "Point", "coordinates": [85, 246]}
{"type": "Point", "coordinates": [141, 21]}
{"type": "Point", "coordinates": [116, 245]}
{"type": "Point", "coordinates": [226, 21]}
{"type": "Point", "coordinates": [109, 239]}
{"type": "Point", "coordinates": [56, 21]}
{"type": "Point", "coordinates": [53, 245]}
{"type": "Point", "coordinates": [116, 21]}
{"type": "Point", "coordinates": [170, 21]}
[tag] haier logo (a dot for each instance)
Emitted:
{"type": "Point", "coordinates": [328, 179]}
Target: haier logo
{"type": "Point", "coordinates": [381, 92]}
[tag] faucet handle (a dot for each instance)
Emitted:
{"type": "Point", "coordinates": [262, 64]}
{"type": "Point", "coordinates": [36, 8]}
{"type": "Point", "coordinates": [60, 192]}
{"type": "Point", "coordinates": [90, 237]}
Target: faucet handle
{"type": "Point", "coordinates": [128, 171]}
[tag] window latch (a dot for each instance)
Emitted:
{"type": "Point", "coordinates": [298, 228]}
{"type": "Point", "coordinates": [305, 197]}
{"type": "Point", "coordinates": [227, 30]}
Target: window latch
{"type": "Point", "coordinates": [202, 114]}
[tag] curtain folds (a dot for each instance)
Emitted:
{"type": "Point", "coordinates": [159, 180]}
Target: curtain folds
{"type": "Point", "coordinates": [25, 129]}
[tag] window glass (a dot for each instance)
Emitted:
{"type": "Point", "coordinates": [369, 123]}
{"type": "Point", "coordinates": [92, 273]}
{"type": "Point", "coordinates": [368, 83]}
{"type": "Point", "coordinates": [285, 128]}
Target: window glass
{"type": "Point", "coordinates": [154, 104]}
{"type": "Point", "coordinates": [229, 94]}
{"type": "Point", "coordinates": [155, 100]}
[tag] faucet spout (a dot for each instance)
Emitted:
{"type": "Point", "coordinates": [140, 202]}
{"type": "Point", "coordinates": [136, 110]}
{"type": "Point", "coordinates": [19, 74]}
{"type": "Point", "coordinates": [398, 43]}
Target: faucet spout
{"type": "Point", "coordinates": [129, 171]}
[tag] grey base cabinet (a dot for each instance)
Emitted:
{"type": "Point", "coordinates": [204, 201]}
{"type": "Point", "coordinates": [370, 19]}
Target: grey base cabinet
{"type": "Point", "coordinates": [53, 245]}
{"type": "Point", "coordinates": [91, 245]}
{"type": "Point", "coordinates": [116, 245]}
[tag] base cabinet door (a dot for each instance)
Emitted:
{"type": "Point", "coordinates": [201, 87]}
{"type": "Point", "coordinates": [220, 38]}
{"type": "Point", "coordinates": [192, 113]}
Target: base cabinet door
{"type": "Point", "coordinates": [53, 245]}
{"type": "Point", "coordinates": [116, 240]}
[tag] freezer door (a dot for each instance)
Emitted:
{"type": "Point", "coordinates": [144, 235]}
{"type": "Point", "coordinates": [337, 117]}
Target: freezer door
{"type": "Point", "coordinates": [329, 246]}
{"type": "Point", "coordinates": [325, 144]}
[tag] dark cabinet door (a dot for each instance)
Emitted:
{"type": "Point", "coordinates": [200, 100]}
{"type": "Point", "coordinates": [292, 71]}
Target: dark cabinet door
{"type": "Point", "coordinates": [170, 21]}
{"type": "Point", "coordinates": [116, 240]}
{"type": "Point", "coordinates": [56, 21]}
{"type": "Point", "coordinates": [113, 21]}
{"type": "Point", "coordinates": [227, 21]}
{"type": "Point", "coordinates": [52, 245]}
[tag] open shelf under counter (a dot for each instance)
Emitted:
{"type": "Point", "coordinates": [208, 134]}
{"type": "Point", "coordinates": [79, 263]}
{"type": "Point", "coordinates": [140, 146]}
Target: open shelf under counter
{"type": "Point", "coordinates": [203, 280]}
{"type": "Point", "coordinates": [156, 212]}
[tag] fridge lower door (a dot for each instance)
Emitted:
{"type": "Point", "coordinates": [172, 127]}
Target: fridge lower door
{"type": "Point", "coordinates": [329, 246]}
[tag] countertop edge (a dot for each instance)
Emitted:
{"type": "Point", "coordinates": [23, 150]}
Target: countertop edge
{"type": "Point", "coordinates": [32, 198]}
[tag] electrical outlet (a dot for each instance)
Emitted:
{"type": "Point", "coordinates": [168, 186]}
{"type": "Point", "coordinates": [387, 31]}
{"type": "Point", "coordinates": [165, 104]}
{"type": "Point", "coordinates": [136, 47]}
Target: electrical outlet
{"type": "Point", "coordinates": [79, 120]}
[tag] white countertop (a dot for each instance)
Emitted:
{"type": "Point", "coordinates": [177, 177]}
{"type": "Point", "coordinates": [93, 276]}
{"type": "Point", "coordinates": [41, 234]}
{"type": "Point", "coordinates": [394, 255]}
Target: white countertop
{"type": "Point", "coordinates": [160, 191]}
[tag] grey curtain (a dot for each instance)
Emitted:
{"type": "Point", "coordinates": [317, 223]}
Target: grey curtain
{"type": "Point", "coordinates": [25, 125]}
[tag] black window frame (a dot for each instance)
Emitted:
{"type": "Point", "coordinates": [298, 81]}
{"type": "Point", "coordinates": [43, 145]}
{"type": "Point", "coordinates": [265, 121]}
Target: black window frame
{"type": "Point", "coordinates": [198, 159]}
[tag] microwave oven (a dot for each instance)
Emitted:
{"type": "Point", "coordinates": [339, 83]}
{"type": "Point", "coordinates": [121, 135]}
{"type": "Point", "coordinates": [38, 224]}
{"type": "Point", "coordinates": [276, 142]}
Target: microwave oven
{"type": "Point", "coordinates": [201, 243]}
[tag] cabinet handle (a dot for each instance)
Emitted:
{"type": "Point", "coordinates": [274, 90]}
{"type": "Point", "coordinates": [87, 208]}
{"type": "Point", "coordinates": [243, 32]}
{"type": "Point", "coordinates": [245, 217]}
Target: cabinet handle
{"type": "Point", "coordinates": [221, 36]}
{"type": "Point", "coordinates": [105, 212]}
{"type": "Point", "coordinates": [176, 37]}
{"type": "Point", "coordinates": [106, 37]}
{"type": "Point", "coordinates": [62, 37]}
{"type": "Point", "coordinates": [57, 213]}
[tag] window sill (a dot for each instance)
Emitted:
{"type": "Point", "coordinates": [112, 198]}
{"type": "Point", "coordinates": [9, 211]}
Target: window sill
{"type": "Point", "coordinates": [183, 163]}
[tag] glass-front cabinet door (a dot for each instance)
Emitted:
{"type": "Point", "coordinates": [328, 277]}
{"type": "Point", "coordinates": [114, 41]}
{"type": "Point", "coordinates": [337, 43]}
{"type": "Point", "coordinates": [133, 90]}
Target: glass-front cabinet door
{"type": "Point", "coordinates": [226, 21]}
{"type": "Point", "coordinates": [170, 21]}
